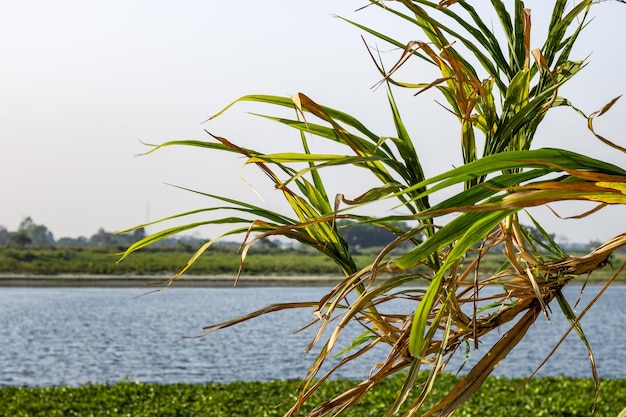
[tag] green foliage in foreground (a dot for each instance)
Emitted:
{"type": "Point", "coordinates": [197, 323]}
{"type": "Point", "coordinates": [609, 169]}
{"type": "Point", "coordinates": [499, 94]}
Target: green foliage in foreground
{"type": "Point", "coordinates": [498, 397]}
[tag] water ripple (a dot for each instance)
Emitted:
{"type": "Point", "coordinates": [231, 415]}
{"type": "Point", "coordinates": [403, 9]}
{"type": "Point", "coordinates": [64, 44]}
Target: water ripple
{"type": "Point", "coordinates": [54, 336]}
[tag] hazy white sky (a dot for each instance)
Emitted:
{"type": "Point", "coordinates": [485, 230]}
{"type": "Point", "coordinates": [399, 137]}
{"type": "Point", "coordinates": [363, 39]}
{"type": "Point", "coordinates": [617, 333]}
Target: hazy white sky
{"type": "Point", "coordinates": [81, 82]}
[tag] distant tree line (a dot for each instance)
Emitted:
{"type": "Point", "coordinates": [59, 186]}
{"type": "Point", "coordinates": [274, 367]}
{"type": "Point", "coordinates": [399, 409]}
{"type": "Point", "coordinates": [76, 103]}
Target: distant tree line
{"type": "Point", "coordinates": [367, 235]}
{"type": "Point", "coordinates": [32, 235]}
{"type": "Point", "coordinates": [359, 236]}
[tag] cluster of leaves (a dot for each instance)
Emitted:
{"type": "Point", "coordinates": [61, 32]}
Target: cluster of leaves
{"type": "Point", "coordinates": [500, 91]}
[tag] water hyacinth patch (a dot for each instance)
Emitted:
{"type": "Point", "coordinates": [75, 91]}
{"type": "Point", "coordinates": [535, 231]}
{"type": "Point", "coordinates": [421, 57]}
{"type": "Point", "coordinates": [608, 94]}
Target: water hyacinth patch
{"type": "Point", "coordinates": [499, 397]}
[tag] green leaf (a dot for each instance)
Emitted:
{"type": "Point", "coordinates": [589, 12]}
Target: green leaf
{"type": "Point", "coordinates": [539, 158]}
{"type": "Point", "coordinates": [467, 236]}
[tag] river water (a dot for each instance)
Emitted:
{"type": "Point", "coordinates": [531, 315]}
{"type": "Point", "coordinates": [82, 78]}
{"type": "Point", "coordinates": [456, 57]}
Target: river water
{"type": "Point", "coordinates": [74, 336]}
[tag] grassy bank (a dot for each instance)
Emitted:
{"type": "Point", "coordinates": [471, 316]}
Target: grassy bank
{"type": "Point", "coordinates": [498, 397]}
{"type": "Point", "coordinates": [102, 262]}
{"type": "Point", "coordinates": [221, 262]}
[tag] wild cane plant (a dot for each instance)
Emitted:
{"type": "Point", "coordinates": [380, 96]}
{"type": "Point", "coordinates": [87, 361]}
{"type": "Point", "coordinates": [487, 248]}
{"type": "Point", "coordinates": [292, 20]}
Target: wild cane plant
{"type": "Point", "coordinates": [499, 90]}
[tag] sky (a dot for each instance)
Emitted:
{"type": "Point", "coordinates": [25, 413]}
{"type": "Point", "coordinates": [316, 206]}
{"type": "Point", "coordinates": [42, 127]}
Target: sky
{"type": "Point", "coordinates": [83, 83]}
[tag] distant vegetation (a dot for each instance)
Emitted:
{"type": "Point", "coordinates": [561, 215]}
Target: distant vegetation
{"type": "Point", "coordinates": [32, 249]}
{"type": "Point", "coordinates": [222, 259]}
{"type": "Point", "coordinates": [359, 236]}
{"type": "Point", "coordinates": [32, 235]}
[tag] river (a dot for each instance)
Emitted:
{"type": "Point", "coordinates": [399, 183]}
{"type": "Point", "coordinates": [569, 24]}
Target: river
{"type": "Point", "coordinates": [74, 336]}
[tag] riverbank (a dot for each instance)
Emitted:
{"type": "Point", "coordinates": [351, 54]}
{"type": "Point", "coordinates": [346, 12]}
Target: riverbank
{"type": "Point", "coordinates": [11, 280]}
{"type": "Point", "coordinates": [90, 267]}
{"type": "Point", "coordinates": [165, 263]}
{"type": "Point", "coordinates": [186, 281]}
{"type": "Point", "coordinates": [548, 396]}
